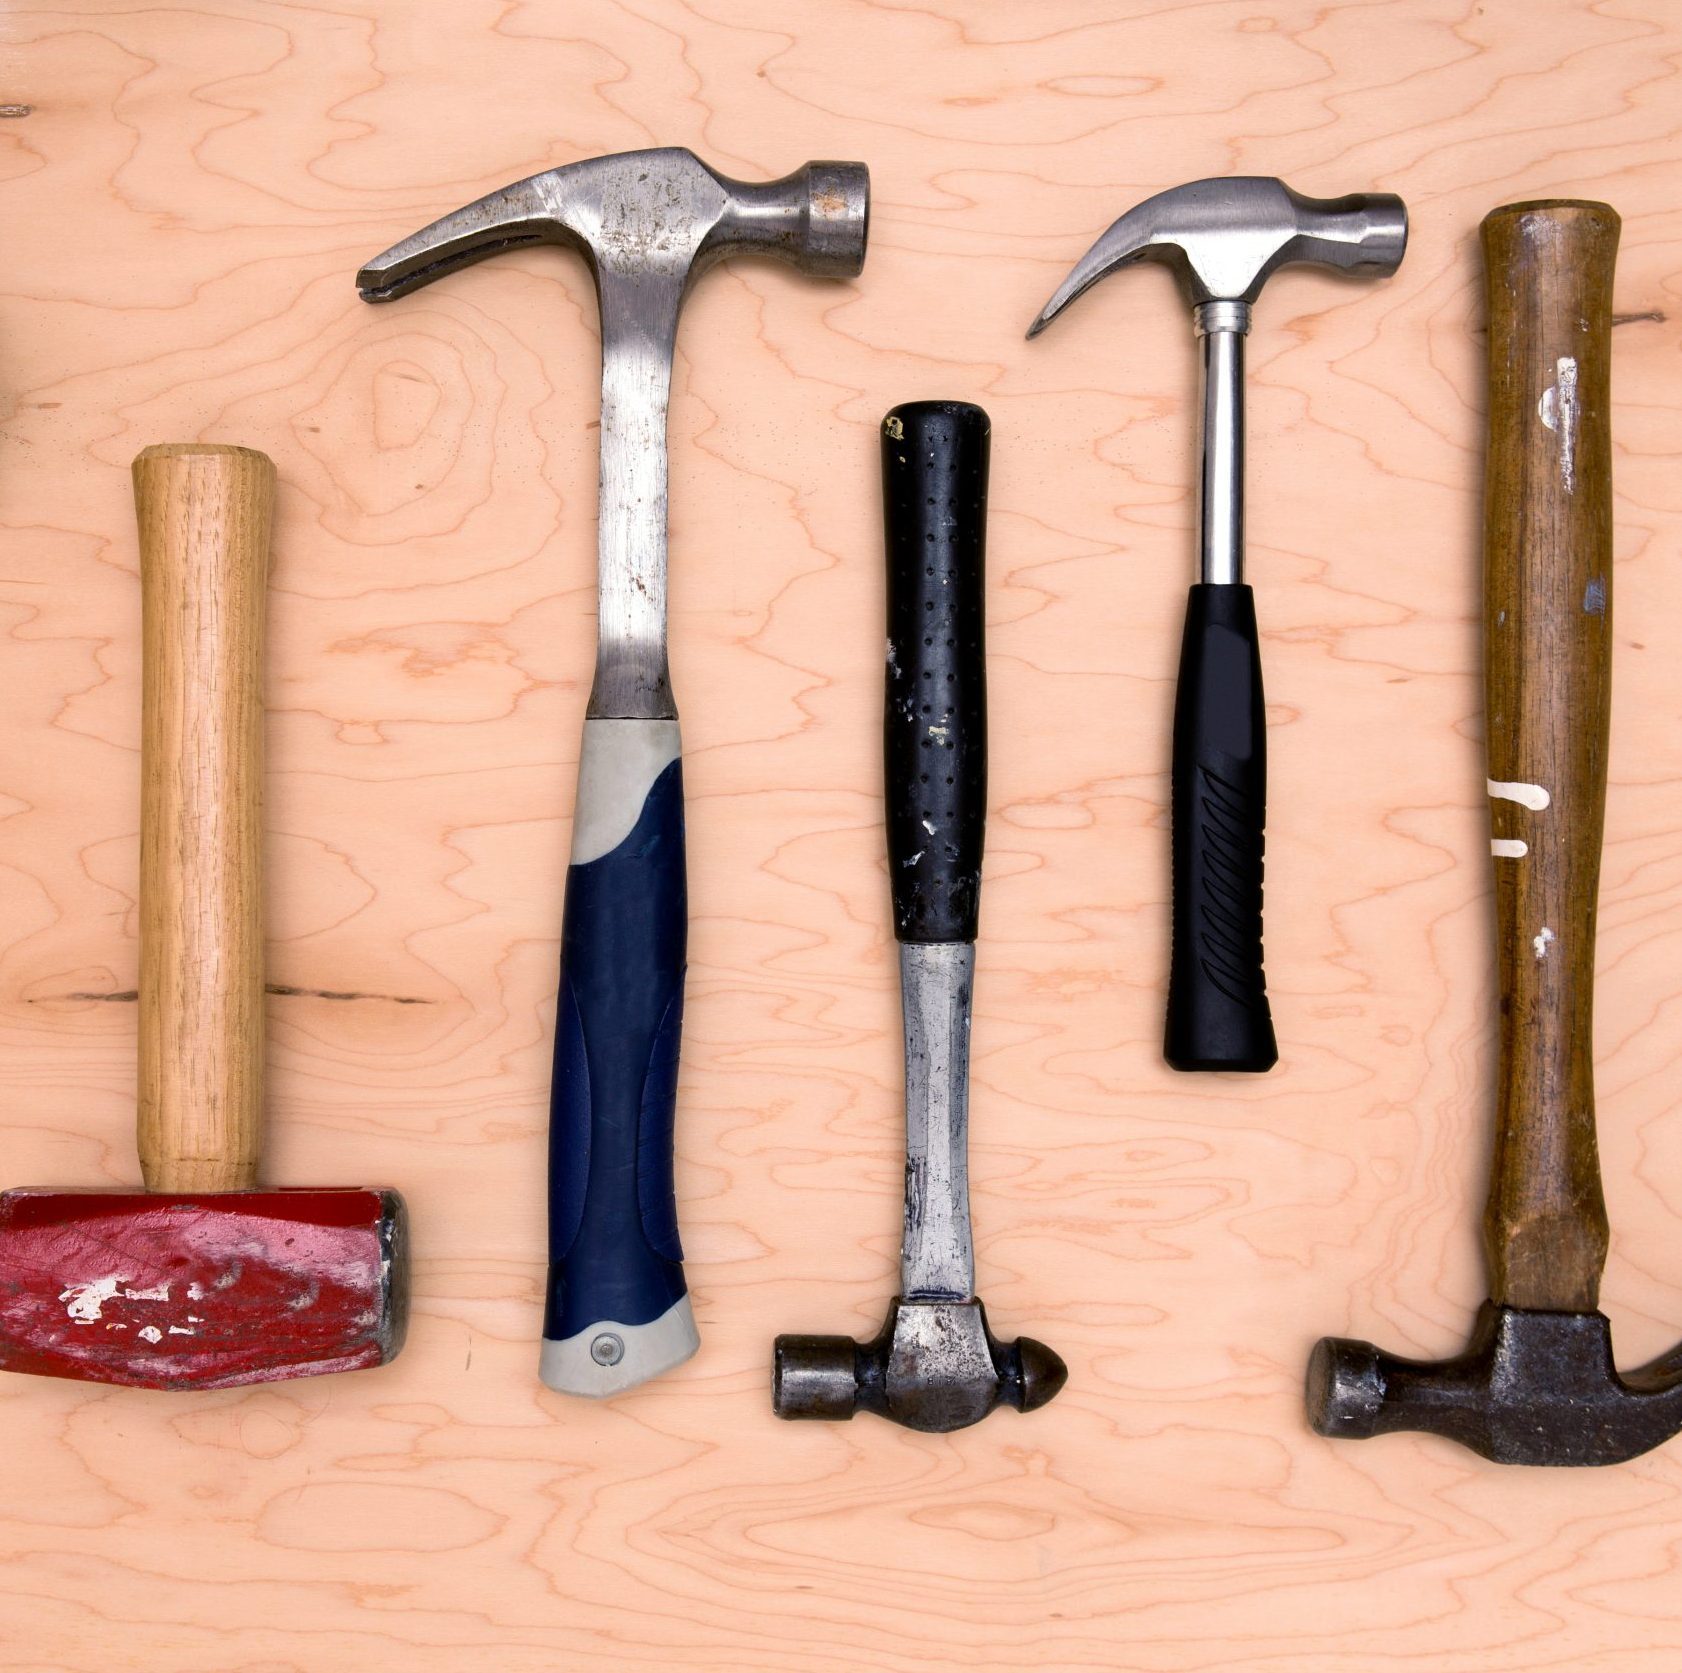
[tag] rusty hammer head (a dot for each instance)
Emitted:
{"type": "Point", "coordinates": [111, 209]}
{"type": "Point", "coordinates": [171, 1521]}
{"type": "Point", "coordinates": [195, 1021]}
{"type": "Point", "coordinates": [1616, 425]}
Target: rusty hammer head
{"type": "Point", "coordinates": [1532, 1387]}
{"type": "Point", "coordinates": [935, 1366]}
{"type": "Point", "coordinates": [644, 216]}
{"type": "Point", "coordinates": [1223, 238]}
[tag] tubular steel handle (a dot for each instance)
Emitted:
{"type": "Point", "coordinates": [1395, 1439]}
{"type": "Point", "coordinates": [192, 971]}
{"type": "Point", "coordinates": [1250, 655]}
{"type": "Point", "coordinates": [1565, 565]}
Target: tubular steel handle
{"type": "Point", "coordinates": [1218, 1016]}
{"type": "Point", "coordinates": [203, 515]}
{"type": "Point", "coordinates": [934, 479]}
{"type": "Point", "coordinates": [1547, 668]}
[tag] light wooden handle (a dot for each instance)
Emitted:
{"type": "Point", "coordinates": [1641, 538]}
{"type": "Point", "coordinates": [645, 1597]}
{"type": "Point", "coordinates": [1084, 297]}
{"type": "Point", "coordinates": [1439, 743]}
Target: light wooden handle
{"type": "Point", "coordinates": [204, 517]}
{"type": "Point", "coordinates": [1548, 665]}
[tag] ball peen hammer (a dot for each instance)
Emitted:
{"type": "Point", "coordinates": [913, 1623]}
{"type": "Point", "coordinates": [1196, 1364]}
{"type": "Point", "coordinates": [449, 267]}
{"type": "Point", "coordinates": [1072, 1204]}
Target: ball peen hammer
{"type": "Point", "coordinates": [1537, 1383]}
{"type": "Point", "coordinates": [648, 223]}
{"type": "Point", "coordinates": [1223, 238]}
{"type": "Point", "coordinates": [935, 1365]}
{"type": "Point", "coordinates": [204, 1281]}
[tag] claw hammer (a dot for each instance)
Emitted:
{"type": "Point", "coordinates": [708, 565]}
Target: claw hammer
{"type": "Point", "coordinates": [617, 1308]}
{"type": "Point", "coordinates": [1224, 238]}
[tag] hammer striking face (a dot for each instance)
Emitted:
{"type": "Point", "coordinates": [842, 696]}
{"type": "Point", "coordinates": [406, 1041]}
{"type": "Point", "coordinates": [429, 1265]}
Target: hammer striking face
{"type": "Point", "coordinates": [167, 1290]}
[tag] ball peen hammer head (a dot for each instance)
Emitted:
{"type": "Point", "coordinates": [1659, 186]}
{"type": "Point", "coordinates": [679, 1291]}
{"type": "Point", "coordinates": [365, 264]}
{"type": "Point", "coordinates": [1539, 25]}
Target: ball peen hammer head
{"type": "Point", "coordinates": [641, 215]}
{"type": "Point", "coordinates": [1223, 237]}
{"type": "Point", "coordinates": [935, 1366]}
{"type": "Point", "coordinates": [202, 1290]}
{"type": "Point", "coordinates": [1532, 1387]}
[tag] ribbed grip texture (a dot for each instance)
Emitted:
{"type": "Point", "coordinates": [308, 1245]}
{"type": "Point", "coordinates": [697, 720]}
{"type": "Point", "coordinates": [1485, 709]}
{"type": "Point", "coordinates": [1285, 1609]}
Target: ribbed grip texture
{"type": "Point", "coordinates": [1218, 1015]}
{"type": "Point", "coordinates": [934, 478]}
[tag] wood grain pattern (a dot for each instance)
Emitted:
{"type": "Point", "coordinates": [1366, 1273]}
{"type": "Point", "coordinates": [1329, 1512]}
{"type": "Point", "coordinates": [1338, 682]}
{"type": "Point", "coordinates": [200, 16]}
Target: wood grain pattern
{"type": "Point", "coordinates": [189, 190]}
{"type": "Point", "coordinates": [1547, 634]}
{"type": "Point", "coordinates": [203, 513]}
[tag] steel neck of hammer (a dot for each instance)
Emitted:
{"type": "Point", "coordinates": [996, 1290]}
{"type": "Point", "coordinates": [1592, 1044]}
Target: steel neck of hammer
{"type": "Point", "coordinates": [639, 314]}
{"type": "Point", "coordinates": [1221, 328]}
{"type": "Point", "coordinates": [937, 1256]}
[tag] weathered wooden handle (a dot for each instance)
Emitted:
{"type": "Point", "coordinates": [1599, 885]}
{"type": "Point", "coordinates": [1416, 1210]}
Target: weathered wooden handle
{"type": "Point", "coordinates": [1547, 669]}
{"type": "Point", "coordinates": [204, 518]}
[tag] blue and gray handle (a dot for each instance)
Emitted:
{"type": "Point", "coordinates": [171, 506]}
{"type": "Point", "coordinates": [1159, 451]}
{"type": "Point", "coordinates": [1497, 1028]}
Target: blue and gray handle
{"type": "Point", "coordinates": [617, 1309]}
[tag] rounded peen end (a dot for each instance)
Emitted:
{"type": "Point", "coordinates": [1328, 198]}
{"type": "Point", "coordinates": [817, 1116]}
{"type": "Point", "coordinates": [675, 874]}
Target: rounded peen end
{"type": "Point", "coordinates": [835, 218]}
{"type": "Point", "coordinates": [1345, 1389]}
{"type": "Point", "coordinates": [813, 1377]}
{"type": "Point", "coordinates": [1043, 1373]}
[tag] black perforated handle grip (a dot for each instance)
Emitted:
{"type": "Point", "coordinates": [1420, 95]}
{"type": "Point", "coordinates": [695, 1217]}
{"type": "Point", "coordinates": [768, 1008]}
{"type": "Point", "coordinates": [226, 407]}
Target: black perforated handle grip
{"type": "Point", "coordinates": [1218, 1016]}
{"type": "Point", "coordinates": [934, 480]}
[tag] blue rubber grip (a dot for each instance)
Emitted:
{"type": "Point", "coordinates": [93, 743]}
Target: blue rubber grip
{"type": "Point", "coordinates": [613, 1241]}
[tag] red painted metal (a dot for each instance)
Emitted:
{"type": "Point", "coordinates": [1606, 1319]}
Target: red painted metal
{"type": "Point", "coordinates": [199, 1291]}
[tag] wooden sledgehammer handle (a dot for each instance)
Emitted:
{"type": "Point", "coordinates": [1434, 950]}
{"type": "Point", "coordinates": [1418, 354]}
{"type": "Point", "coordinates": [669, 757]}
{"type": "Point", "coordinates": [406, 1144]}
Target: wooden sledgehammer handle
{"type": "Point", "coordinates": [1547, 665]}
{"type": "Point", "coordinates": [204, 516]}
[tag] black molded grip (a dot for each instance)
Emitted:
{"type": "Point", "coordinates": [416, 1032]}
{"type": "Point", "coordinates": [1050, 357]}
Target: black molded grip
{"type": "Point", "coordinates": [1218, 1016]}
{"type": "Point", "coordinates": [934, 481]}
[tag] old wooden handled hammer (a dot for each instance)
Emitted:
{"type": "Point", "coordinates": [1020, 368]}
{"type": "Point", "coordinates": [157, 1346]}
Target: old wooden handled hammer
{"type": "Point", "coordinates": [1537, 1385]}
{"type": "Point", "coordinates": [202, 1281]}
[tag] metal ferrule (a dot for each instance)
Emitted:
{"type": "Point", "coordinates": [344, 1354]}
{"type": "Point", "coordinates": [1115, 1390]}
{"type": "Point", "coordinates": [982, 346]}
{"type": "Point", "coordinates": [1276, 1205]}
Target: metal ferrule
{"type": "Point", "coordinates": [1221, 328]}
{"type": "Point", "coordinates": [937, 1257]}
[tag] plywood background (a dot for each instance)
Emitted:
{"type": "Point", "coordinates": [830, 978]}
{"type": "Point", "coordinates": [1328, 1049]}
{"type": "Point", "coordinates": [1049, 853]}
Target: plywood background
{"type": "Point", "coordinates": [188, 191]}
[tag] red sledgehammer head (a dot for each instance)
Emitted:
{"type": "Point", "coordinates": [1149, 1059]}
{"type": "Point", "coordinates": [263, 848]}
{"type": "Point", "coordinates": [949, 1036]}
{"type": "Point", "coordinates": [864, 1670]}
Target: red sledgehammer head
{"type": "Point", "coordinates": [206, 1280]}
{"type": "Point", "coordinates": [174, 1290]}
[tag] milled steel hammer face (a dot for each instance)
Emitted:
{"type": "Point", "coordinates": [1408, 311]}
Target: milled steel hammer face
{"type": "Point", "coordinates": [211, 1290]}
{"type": "Point", "coordinates": [1531, 1388]}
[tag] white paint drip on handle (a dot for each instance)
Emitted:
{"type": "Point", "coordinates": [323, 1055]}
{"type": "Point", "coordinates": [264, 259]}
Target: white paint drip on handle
{"type": "Point", "coordinates": [1508, 848]}
{"type": "Point", "coordinates": [1532, 796]}
{"type": "Point", "coordinates": [1558, 410]}
{"type": "Point", "coordinates": [1541, 942]}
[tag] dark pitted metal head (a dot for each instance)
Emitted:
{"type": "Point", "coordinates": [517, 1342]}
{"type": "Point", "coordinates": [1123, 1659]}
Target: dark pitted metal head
{"type": "Point", "coordinates": [935, 1366]}
{"type": "Point", "coordinates": [1531, 1388]}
